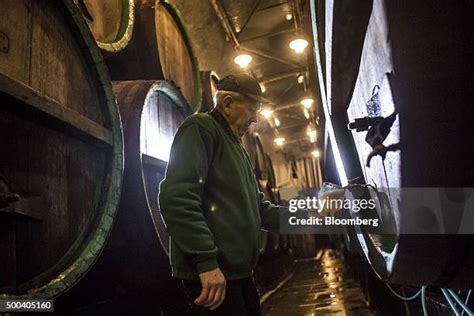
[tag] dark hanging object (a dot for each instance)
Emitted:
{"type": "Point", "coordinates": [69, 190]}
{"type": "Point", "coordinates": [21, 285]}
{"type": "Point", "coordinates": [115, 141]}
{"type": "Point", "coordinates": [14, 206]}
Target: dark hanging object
{"type": "Point", "coordinates": [379, 132]}
{"type": "Point", "coordinates": [364, 123]}
{"type": "Point", "coordinates": [376, 136]}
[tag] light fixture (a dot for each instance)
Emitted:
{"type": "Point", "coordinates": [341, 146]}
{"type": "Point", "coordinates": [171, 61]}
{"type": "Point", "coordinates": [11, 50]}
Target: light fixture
{"type": "Point", "coordinates": [279, 141]}
{"type": "Point", "coordinates": [277, 121]}
{"type": "Point", "coordinates": [300, 79]}
{"type": "Point", "coordinates": [312, 136]}
{"type": "Point", "coordinates": [298, 45]}
{"type": "Point", "coordinates": [263, 88]}
{"type": "Point", "coordinates": [243, 60]}
{"type": "Point", "coordinates": [306, 114]}
{"type": "Point", "coordinates": [315, 153]}
{"type": "Point", "coordinates": [266, 113]}
{"type": "Point", "coordinates": [307, 103]}
{"type": "Point", "coordinates": [289, 16]}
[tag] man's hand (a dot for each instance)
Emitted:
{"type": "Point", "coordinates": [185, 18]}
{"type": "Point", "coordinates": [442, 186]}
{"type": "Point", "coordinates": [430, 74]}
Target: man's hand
{"type": "Point", "coordinates": [213, 289]}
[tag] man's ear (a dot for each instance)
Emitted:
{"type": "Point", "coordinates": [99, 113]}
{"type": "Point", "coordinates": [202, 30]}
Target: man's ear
{"type": "Point", "coordinates": [226, 104]}
{"type": "Point", "coordinates": [228, 100]}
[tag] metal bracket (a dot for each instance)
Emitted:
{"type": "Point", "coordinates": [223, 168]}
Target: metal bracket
{"type": "Point", "coordinates": [4, 43]}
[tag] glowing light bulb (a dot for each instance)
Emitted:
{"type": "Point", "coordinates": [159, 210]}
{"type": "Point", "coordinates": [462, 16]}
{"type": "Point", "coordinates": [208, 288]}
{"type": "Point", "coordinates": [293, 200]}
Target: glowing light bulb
{"type": "Point", "coordinates": [243, 60]}
{"type": "Point", "coordinates": [306, 114]}
{"type": "Point", "coordinates": [307, 103]}
{"type": "Point", "coordinates": [289, 16]}
{"type": "Point", "coordinates": [315, 153]}
{"type": "Point", "coordinates": [266, 113]}
{"type": "Point", "coordinates": [311, 133]}
{"type": "Point", "coordinates": [279, 141]}
{"type": "Point", "coordinates": [277, 122]}
{"type": "Point", "coordinates": [300, 79]}
{"type": "Point", "coordinates": [299, 45]}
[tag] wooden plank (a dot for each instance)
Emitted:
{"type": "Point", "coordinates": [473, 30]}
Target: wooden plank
{"type": "Point", "coordinates": [176, 59]}
{"type": "Point", "coordinates": [59, 66]}
{"type": "Point", "coordinates": [35, 100]}
{"type": "Point", "coordinates": [15, 26]}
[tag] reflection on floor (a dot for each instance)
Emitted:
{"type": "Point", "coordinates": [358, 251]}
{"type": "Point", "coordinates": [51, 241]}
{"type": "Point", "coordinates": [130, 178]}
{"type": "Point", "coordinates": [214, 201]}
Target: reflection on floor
{"type": "Point", "coordinates": [320, 286]}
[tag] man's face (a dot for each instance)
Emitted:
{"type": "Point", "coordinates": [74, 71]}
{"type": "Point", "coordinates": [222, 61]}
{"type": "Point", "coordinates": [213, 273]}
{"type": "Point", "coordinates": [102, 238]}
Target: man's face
{"type": "Point", "coordinates": [244, 111]}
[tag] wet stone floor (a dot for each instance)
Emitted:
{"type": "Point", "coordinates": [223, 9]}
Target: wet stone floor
{"type": "Point", "coordinates": [320, 286]}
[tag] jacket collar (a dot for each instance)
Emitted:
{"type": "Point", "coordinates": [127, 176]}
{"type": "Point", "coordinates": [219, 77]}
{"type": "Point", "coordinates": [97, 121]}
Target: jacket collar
{"type": "Point", "coordinates": [224, 124]}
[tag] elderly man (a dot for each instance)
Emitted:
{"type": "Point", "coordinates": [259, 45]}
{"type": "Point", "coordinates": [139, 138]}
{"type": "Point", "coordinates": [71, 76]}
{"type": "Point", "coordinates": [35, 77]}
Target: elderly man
{"type": "Point", "coordinates": [212, 206]}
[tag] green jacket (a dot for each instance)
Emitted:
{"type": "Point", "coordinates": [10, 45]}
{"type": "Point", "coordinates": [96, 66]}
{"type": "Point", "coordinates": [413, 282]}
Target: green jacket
{"type": "Point", "coordinates": [211, 203]}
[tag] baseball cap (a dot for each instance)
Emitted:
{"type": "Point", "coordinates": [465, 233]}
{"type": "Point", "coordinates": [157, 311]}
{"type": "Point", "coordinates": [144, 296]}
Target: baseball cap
{"type": "Point", "coordinates": [243, 84]}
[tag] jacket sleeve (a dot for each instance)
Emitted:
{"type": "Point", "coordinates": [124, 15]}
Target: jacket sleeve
{"type": "Point", "coordinates": [270, 214]}
{"type": "Point", "coordinates": [180, 196]}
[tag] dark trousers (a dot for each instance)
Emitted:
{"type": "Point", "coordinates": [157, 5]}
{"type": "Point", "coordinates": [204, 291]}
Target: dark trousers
{"type": "Point", "coordinates": [241, 298]}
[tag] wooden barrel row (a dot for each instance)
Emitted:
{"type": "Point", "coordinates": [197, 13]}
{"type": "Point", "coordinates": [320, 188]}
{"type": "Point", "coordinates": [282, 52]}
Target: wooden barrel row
{"type": "Point", "coordinates": [145, 41]}
{"type": "Point", "coordinates": [61, 149]}
{"type": "Point", "coordinates": [421, 74]}
{"type": "Point", "coordinates": [61, 172]}
{"type": "Point", "coordinates": [265, 174]}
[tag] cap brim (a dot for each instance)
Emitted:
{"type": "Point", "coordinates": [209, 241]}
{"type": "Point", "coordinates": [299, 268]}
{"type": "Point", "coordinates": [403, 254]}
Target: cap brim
{"type": "Point", "coordinates": [259, 98]}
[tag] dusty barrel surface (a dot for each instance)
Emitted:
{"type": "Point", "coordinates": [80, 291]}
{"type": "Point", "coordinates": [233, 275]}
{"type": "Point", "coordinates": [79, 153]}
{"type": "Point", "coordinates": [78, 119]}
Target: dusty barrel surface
{"type": "Point", "coordinates": [159, 49]}
{"type": "Point", "coordinates": [61, 149]}
{"type": "Point", "coordinates": [111, 22]}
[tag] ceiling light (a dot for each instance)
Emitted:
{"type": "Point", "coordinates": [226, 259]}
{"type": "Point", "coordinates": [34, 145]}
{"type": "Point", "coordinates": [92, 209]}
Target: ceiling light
{"type": "Point", "coordinates": [277, 121]}
{"type": "Point", "coordinates": [279, 141]}
{"type": "Point", "coordinates": [289, 16]}
{"type": "Point", "coordinates": [243, 60]}
{"type": "Point", "coordinates": [300, 79]}
{"type": "Point", "coordinates": [306, 114]}
{"type": "Point", "coordinates": [307, 103]}
{"type": "Point", "coordinates": [311, 133]}
{"type": "Point", "coordinates": [315, 153]}
{"type": "Point", "coordinates": [263, 88]}
{"type": "Point", "coordinates": [298, 45]}
{"type": "Point", "coordinates": [266, 113]}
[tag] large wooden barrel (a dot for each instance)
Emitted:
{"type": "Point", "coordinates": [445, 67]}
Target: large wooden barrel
{"type": "Point", "coordinates": [421, 74]}
{"type": "Point", "coordinates": [134, 264]}
{"type": "Point", "coordinates": [61, 149]}
{"type": "Point", "coordinates": [160, 49]}
{"type": "Point", "coordinates": [111, 22]}
{"type": "Point", "coordinates": [151, 113]}
{"type": "Point", "coordinates": [209, 81]}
